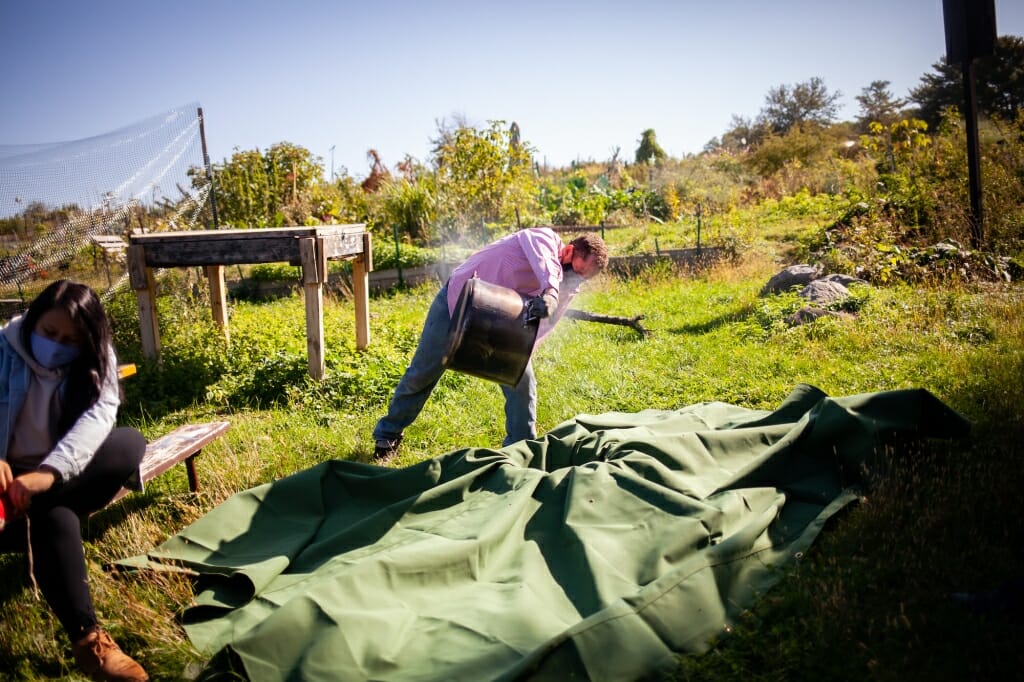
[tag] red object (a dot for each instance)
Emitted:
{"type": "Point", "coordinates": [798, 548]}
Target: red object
{"type": "Point", "coordinates": [6, 511]}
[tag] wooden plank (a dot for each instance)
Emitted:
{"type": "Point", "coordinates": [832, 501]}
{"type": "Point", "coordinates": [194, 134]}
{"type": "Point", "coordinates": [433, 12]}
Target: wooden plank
{"type": "Point", "coordinates": [110, 243]}
{"type": "Point", "coordinates": [343, 245]}
{"type": "Point", "coordinates": [312, 266]}
{"type": "Point", "coordinates": [361, 267]}
{"type": "Point", "coordinates": [237, 247]}
{"type": "Point", "coordinates": [144, 284]}
{"type": "Point", "coordinates": [137, 267]}
{"type": "Point", "coordinates": [368, 252]}
{"type": "Point", "coordinates": [218, 298]}
{"type": "Point", "coordinates": [221, 252]}
{"type": "Point", "coordinates": [293, 231]}
{"type": "Point", "coordinates": [184, 443]}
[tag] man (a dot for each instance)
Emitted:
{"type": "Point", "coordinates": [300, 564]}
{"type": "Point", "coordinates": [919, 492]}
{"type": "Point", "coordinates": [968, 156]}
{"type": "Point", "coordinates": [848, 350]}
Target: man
{"type": "Point", "coordinates": [533, 262]}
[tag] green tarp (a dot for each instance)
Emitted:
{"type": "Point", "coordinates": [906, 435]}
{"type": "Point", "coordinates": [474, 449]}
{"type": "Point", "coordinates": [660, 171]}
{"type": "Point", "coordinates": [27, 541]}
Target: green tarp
{"type": "Point", "coordinates": [599, 551]}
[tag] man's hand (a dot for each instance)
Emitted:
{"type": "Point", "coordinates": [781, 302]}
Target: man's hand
{"type": "Point", "coordinates": [542, 306]}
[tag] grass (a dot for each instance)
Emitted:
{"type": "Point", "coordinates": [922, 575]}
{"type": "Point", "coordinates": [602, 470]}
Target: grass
{"type": "Point", "coordinates": [870, 600]}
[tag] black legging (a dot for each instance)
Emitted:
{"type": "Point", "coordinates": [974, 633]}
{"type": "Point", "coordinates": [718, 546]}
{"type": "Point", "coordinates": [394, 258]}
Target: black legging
{"type": "Point", "coordinates": [58, 558]}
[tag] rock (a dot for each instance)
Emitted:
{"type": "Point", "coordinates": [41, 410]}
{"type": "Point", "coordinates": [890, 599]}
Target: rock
{"type": "Point", "coordinates": [823, 292]}
{"type": "Point", "coordinates": [793, 276]}
{"type": "Point", "coordinates": [845, 280]}
{"type": "Point", "coordinates": [805, 315]}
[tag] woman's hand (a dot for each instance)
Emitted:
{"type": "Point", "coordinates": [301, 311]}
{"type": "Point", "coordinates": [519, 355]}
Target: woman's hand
{"type": "Point", "coordinates": [6, 476]}
{"type": "Point", "coordinates": [21, 490]}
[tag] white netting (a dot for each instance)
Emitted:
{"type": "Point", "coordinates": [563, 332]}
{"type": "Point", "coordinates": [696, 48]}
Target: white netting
{"type": "Point", "coordinates": [55, 196]}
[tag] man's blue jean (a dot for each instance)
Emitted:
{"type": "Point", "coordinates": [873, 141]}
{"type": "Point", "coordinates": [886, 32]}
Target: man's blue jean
{"type": "Point", "coordinates": [425, 371]}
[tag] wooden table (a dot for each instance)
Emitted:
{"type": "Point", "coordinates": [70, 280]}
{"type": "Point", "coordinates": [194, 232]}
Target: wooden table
{"type": "Point", "coordinates": [112, 246]}
{"type": "Point", "coordinates": [310, 247]}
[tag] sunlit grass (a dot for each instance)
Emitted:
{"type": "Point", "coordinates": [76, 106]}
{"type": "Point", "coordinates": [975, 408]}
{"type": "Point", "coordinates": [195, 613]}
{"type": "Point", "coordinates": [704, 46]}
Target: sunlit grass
{"type": "Point", "coordinates": [870, 600]}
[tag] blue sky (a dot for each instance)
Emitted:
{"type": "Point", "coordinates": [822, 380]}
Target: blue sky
{"type": "Point", "coordinates": [580, 78]}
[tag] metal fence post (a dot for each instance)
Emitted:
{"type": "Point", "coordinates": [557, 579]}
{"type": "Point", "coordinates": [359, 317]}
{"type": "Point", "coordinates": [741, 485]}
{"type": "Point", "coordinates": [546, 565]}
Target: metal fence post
{"type": "Point", "coordinates": [398, 256]}
{"type": "Point", "coordinates": [698, 227]}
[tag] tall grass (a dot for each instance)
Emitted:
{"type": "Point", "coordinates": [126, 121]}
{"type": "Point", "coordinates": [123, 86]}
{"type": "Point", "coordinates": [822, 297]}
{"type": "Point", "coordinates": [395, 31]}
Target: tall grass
{"type": "Point", "coordinates": [870, 600]}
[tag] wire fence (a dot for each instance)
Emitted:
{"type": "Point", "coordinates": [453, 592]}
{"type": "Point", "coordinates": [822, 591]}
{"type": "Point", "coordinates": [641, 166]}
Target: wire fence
{"type": "Point", "coordinates": [55, 198]}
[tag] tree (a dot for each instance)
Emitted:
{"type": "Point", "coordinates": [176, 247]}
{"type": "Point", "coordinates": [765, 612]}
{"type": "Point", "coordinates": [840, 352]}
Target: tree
{"type": "Point", "coordinates": [481, 175]}
{"type": "Point", "coordinates": [408, 206]}
{"type": "Point", "coordinates": [877, 105]}
{"type": "Point", "coordinates": [378, 172]}
{"type": "Point", "coordinates": [808, 102]}
{"type": "Point", "coordinates": [273, 189]}
{"type": "Point", "coordinates": [805, 145]}
{"type": "Point", "coordinates": [742, 135]}
{"type": "Point", "coordinates": [998, 80]}
{"type": "Point", "coordinates": [649, 150]}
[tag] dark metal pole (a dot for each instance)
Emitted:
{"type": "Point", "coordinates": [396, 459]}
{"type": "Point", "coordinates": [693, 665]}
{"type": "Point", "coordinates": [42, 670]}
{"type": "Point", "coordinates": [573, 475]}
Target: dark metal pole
{"type": "Point", "coordinates": [398, 256]}
{"type": "Point", "coordinates": [209, 171]}
{"type": "Point", "coordinates": [973, 157]}
{"type": "Point", "coordinates": [699, 212]}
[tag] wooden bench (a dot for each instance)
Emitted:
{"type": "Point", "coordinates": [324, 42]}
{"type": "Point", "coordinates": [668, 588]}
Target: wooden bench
{"type": "Point", "coordinates": [184, 443]}
{"type": "Point", "coordinates": [9, 307]}
{"type": "Point", "coordinates": [113, 248]}
{"type": "Point", "coordinates": [110, 243]}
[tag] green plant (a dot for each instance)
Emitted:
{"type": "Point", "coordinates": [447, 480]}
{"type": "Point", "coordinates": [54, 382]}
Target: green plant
{"type": "Point", "coordinates": [410, 206]}
{"type": "Point", "coordinates": [275, 272]}
{"type": "Point", "coordinates": [387, 255]}
{"type": "Point", "coordinates": [648, 150]}
{"type": "Point", "coordinates": [481, 175]}
{"type": "Point", "coordinates": [275, 188]}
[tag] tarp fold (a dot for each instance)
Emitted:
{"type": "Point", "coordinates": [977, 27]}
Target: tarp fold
{"type": "Point", "coordinates": [598, 552]}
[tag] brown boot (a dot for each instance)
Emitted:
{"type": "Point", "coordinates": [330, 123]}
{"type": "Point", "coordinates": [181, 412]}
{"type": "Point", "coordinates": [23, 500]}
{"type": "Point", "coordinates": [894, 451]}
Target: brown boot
{"type": "Point", "coordinates": [101, 659]}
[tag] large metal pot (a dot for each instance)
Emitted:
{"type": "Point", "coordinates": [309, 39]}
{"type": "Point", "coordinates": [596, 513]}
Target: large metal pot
{"type": "Point", "coordinates": [489, 336]}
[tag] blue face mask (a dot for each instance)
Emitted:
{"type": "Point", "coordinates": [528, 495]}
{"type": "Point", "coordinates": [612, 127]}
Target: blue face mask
{"type": "Point", "coordinates": [52, 354]}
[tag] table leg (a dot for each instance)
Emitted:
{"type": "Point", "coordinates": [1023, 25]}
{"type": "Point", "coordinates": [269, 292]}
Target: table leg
{"type": "Point", "coordinates": [314, 267]}
{"type": "Point", "coordinates": [144, 284]}
{"type": "Point", "coordinates": [361, 267]}
{"type": "Point", "coordinates": [218, 297]}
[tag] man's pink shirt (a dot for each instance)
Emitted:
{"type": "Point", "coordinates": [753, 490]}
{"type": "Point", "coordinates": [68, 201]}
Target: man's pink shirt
{"type": "Point", "coordinates": [526, 261]}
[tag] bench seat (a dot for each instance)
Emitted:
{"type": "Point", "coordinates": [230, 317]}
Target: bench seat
{"type": "Point", "coordinates": [184, 443]}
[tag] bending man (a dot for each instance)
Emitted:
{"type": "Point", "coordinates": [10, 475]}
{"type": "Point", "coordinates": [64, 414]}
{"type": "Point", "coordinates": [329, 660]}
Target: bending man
{"type": "Point", "coordinates": [533, 262]}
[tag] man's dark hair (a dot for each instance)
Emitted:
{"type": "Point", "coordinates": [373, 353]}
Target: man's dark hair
{"type": "Point", "coordinates": [590, 243]}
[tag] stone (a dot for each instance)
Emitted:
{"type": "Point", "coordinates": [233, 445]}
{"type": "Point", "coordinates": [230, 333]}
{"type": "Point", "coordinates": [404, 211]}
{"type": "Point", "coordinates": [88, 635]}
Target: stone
{"type": "Point", "coordinates": [793, 276]}
{"type": "Point", "coordinates": [823, 292]}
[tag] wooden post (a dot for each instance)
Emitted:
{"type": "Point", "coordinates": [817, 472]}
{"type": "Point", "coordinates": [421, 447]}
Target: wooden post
{"type": "Point", "coordinates": [218, 298]}
{"type": "Point", "coordinates": [142, 281]}
{"type": "Point", "coordinates": [106, 267]}
{"type": "Point", "coordinates": [314, 267]}
{"type": "Point", "coordinates": [361, 268]}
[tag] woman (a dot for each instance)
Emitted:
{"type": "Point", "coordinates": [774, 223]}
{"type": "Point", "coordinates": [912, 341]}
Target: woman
{"type": "Point", "coordinates": [61, 457]}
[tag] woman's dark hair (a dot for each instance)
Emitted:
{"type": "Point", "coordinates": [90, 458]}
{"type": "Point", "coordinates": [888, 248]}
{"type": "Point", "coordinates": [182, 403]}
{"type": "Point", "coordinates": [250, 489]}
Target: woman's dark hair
{"type": "Point", "coordinates": [88, 371]}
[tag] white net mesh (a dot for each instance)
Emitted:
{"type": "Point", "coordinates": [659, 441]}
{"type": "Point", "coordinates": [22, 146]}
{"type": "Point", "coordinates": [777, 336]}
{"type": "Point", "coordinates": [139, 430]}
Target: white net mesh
{"type": "Point", "coordinates": [54, 197]}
